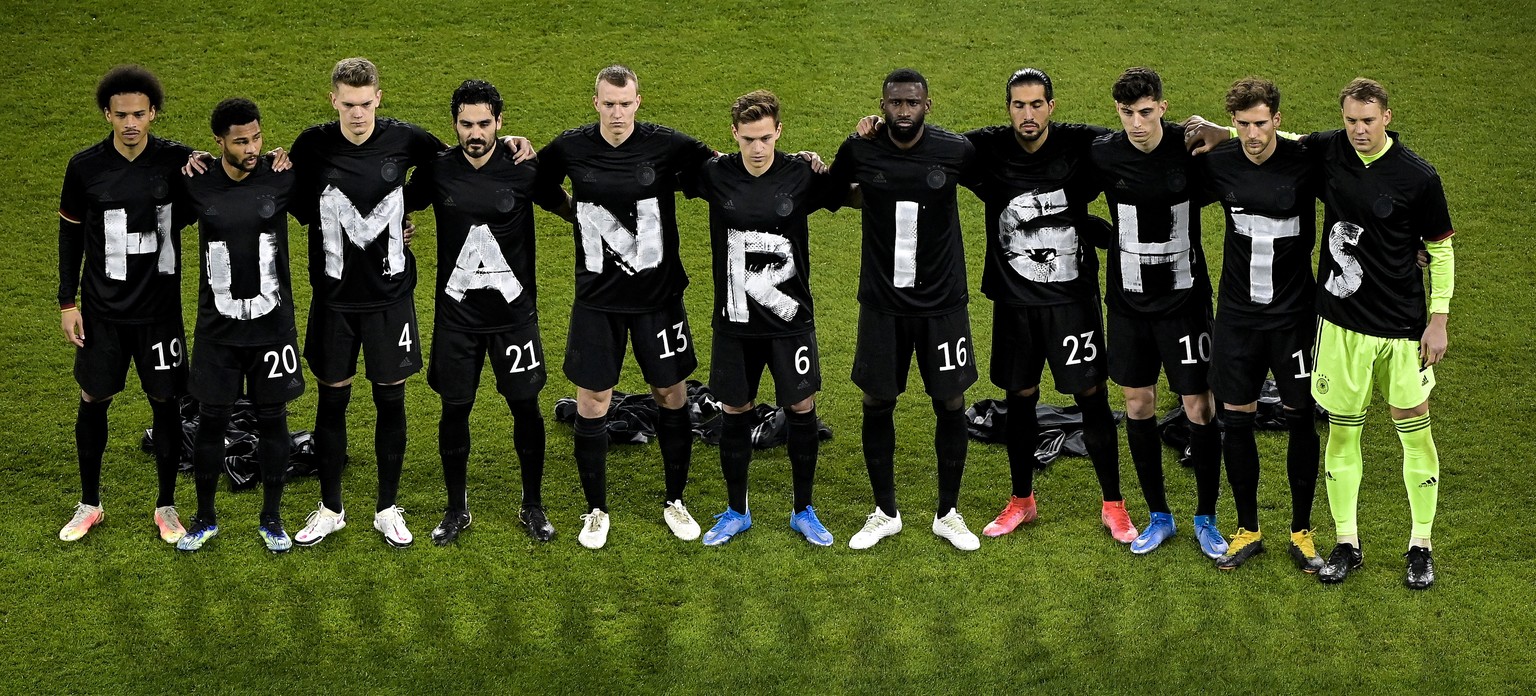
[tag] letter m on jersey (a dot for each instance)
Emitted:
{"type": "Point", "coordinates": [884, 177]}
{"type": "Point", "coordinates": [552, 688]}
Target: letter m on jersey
{"type": "Point", "coordinates": [340, 223]}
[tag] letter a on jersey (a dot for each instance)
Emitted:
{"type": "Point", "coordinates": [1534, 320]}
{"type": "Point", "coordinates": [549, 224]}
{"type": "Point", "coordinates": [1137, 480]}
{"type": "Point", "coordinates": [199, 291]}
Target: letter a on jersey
{"type": "Point", "coordinates": [760, 284]}
{"type": "Point", "coordinates": [482, 265]}
{"type": "Point", "coordinates": [340, 222]}
{"type": "Point", "coordinates": [220, 279]}
{"type": "Point", "coordinates": [635, 251]}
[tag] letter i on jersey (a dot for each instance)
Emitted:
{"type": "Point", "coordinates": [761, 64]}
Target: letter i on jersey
{"type": "Point", "coordinates": [341, 222]}
{"type": "Point", "coordinates": [121, 243]}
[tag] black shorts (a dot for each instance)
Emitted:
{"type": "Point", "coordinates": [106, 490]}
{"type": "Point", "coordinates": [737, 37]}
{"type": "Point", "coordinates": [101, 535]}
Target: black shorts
{"type": "Point", "coordinates": [268, 374]}
{"type": "Point", "coordinates": [389, 337]}
{"type": "Point", "coordinates": [1241, 358]}
{"type": "Point", "coordinates": [158, 349]}
{"type": "Point", "coordinates": [1070, 337]}
{"type": "Point", "coordinates": [1177, 343]}
{"type": "Point", "coordinates": [517, 359]}
{"type": "Point", "coordinates": [946, 356]}
{"type": "Point", "coordinates": [663, 343]}
{"type": "Point", "coordinates": [736, 367]}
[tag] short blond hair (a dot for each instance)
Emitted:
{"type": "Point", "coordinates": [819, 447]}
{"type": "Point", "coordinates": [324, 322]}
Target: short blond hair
{"type": "Point", "coordinates": [355, 72]}
{"type": "Point", "coordinates": [618, 76]}
{"type": "Point", "coordinates": [755, 106]}
{"type": "Point", "coordinates": [1364, 90]}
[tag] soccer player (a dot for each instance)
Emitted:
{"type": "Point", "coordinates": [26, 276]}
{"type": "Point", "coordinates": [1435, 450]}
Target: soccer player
{"type": "Point", "coordinates": [1041, 273]}
{"type": "Point", "coordinates": [1381, 203]}
{"type": "Point", "coordinates": [246, 340]}
{"type": "Point", "coordinates": [1265, 317]}
{"type": "Point", "coordinates": [482, 200]}
{"type": "Point", "coordinates": [912, 296]}
{"type": "Point", "coordinates": [759, 200]}
{"type": "Point", "coordinates": [629, 283]}
{"type": "Point", "coordinates": [1159, 299]}
{"type": "Point", "coordinates": [116, 214]}
{"type": "Point", "coordinates": [352, 173]}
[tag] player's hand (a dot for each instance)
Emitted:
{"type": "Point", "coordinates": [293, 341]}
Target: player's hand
{"type": "Point", "coordinates": [197, 163]}
{"type": "Point", "coordinates": [407, 230]}
{"type": "Point", "coordinates": [1432, 346]}
{"type": "Point", "coordinates": [280, 161]}
{"type": "Point", "coordinates": [522, 148]}
{"type": "Point", "coordinates": [817, 165]}
{"type": "Point", "coordinates": [1422, 258]}
{"type": "Point", "coordinates": [869, 127]}
{"type": "Point", "coordinates": [1202, 133]}
{"type": "Point", "coordinates": [73, 326]}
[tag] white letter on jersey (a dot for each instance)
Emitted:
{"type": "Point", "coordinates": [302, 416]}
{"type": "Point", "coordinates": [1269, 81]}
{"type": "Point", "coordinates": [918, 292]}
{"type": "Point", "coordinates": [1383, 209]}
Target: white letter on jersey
{"type": "Point", "coordinates": [1135, 253]}
{"type": "Point", "coordinates": [219, 279]}
{"type": "Point", "coordinates": [482, 265]}
{"type": "Point", "coordinates": [761, 284]}
{"type": "Point", "coordinates": [1262, 232]}
{"type": "Point", "coordinates": [121, 243]}
{"type": "Point", "coordinates": [1044, 255]}
{"type": "Point", "coordinates": [1343, 237]}
{"type": "Point", "coordinates": [339, 218]}
{"type": "Point", "coordinates": [637, 251]}
{"type": "Point", "coordinates": [904, 272]}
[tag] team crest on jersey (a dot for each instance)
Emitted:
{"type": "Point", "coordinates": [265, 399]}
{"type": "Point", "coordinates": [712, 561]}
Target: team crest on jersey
{"type": "Point", "coordinates": [1322, 384]}
{"type": "Point", "coordinates": [1057, 170]}
{"type": "Point", "coordinates": [937, 178]}
{"type": "Point", "coordinates": [645, 174]}
{"type": "Point", "coordinates": [158, 188]}
{"type": "Point", "coordinates": [1177, 181]}
{"type": "Point", "coordinates": [266, 207]}
{"type": "Point", "coordinates": [505, 200]}
{"type": "Point", "coordinates": [389, 171]}
{"type": "Point", "coordinates": [784, 206]}
{"type": "Point", "coordinates": [1285, 197]}
{"type": "Point", "coordinates": [1382, 207]}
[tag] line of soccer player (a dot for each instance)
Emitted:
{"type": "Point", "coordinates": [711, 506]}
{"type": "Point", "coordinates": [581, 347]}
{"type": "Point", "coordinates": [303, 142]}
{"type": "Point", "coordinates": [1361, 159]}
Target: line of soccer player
{"type": "Point", "coordinates": [126, 199]}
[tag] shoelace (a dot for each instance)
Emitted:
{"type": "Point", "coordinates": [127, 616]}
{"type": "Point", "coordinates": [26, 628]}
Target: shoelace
{"type": "Point", "coordinates": [876, 522]}
{"type": "Point", "coordinates": [955, 523]}
{"type": "Point", "coordinates": [592, 521]}
{"type": "Point", "coordinates": [82, 511]}
{"type": "Point", "coordinates": [678, 513]}
{"type": "Point", "coordinates": [1241, 541]}
{"type": "Point", "coordinates": [171, 518]}
{"type": "Point", "coordinates": [814, 522]}
{"type": "Point", "coordinates": [1308, 548]}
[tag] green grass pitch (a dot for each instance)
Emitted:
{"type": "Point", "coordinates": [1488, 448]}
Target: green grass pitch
{"type": "Point", "coordinates": [1057, 606]}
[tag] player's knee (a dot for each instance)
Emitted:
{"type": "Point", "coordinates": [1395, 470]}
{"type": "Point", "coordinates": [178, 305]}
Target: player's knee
{"type": "Point", "coordinates": [342, 384]}
{"type": "Point", "coordinates": [1200, 408]}
{"type": "Point", "coordinates": [593, 404]}
{"type": "Point", "coordinates": [1140, 404]}
{"type": "Point", "coordinates": [213, 412]}
{"type": "Point", "coordinates": [1028, 391]}
{"type": "Point", "coordinates": [875, 405]}
{"type": "Point", "coordinates": [671, 397]}
{"type": "Point", "coordinates": [1415, 412]}
{"type": "Point", "coordinates": [389, 393]}
{"type": "Point", "coordinates": [93, 399]}
{"type": "Point", "coordinates": [524, 409]}
{"type": "Point", "coordinates": [806, 406]}
{"type": "Point", "coordinates": [950, 405]}
{"type": "Point", "coordinates": [1090, 392]}
{"type": "Point", "coordinates": [728, 408]}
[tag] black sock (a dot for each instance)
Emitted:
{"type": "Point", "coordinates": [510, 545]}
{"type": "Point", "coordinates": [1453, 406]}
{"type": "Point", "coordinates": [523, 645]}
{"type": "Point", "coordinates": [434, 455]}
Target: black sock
{"type": "Point", "coordinates": [1242, 453]}
{"type": "Point", "coordinates": [208, 457]}
{"type": "Point", "coordinates": [1205, 449]}
{"type": "Point", "coordinates": [1102, 441]}
{"type": "Point", "coordinates": [453, 447]}
{"type": "Point", "coordinates": [528, 440]}
{"type": "Point", "coordinates": [167, 421]}
{"type": "Point", "coordinates": [736, 456]}
{"type": "Point", "coordinates": [1023, 439]}
{"type": "Point", "coordinates": [674, 433]}
{"type": "Point", "coordinates": [804, 441]}
{"type": "Point", "coordinates": [880, 452]}
{"type": "Point", "coordinates": [1301, 464]}
{"type": "Point", "coordinates": [1147, 455]}
{"type": "Point", "coordinates": [331, 441]}
{"type": "Point", "coordinates": [91, 442]}
{"type": "Point", "coordinates": [591, 452]}
{"type": "Point", "coordinates": [274, 445]}
{"type": "Point", "coordinates": [949, 446]}
{"type": "Point", "coordinates": [389, 440]}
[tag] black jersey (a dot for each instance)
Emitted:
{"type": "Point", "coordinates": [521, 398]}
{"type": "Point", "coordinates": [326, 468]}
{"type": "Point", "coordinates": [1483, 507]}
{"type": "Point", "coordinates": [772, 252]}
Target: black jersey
{"type": "Point", "coordinates": [1271, 213]}
{"type": "Point", "coordinates": [352, 197]}
{"type": "Point", "coordinates": [1035, 203]}
{"type": "Point", "coordinates": [626, 212]}
{"type": "Point", "coordinates": [131, 228]}
{"type": "Point", "coordinates": [1377, 218]}
{"type": "Point", "coordinates": [913, 256]}
{"type": "Point", "coordinates": [245, 291]}
{"type": "Point", "coordinates": [1155, 263]}
{"type": "Point", "coordinates": [485, 243]}
{"type": "Point", "coordinates": [758, 231]}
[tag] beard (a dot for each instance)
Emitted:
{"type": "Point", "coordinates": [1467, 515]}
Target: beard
{"type": "Point", "coordinates": [906, 134]}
